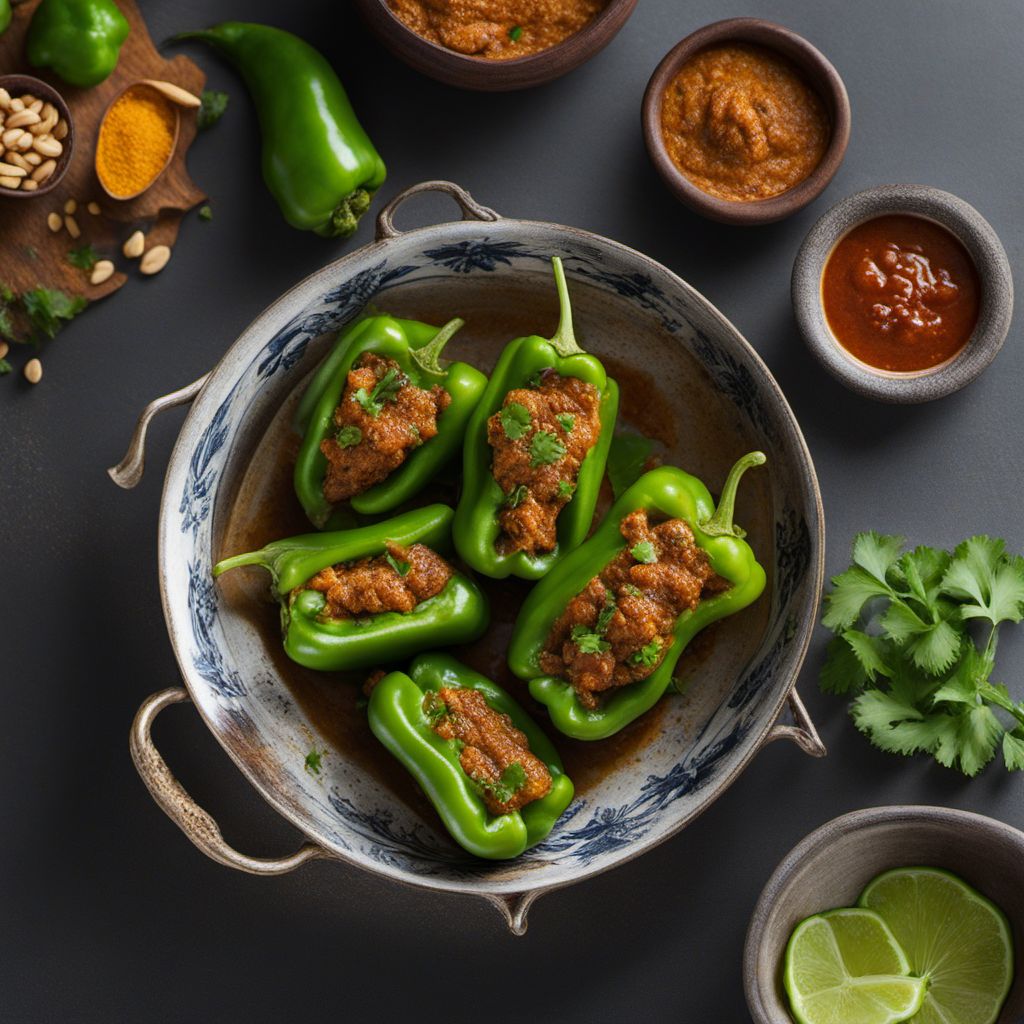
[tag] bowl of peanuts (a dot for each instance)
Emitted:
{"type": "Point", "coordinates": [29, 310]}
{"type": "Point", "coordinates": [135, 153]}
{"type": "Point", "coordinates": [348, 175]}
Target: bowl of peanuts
{"type": "Point", "coordinates": [37, 137]}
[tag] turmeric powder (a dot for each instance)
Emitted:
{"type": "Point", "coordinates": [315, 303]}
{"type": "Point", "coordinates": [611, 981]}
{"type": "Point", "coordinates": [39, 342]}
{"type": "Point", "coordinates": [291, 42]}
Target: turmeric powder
{"type": "Point", "coordinates": [136, 139]}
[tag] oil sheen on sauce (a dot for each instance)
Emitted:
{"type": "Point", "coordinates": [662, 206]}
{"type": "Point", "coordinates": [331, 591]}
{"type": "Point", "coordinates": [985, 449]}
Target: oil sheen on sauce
{"type": "Point", "coordinates": [900, 293]}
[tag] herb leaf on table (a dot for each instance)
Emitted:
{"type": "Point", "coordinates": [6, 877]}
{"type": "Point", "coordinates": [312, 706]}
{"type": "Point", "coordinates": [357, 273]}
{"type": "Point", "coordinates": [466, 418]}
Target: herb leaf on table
{"type": "Point", "coordinates": [911, 646]}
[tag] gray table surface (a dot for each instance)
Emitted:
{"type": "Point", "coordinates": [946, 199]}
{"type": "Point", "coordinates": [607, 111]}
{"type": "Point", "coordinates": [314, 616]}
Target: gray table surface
{"type": "Point", "coordinates": [108, 914]}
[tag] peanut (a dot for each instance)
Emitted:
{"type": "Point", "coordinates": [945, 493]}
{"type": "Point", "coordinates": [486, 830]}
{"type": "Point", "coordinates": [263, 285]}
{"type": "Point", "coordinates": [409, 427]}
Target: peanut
{"type": "Point", "coordinates": [135, 245]}
{"type": "Point", "coordinates": [33, 371]}
{"type": "Point", "coordinates": [155, 259]}
{"type": "Point", "coordinates": [54, 222]}
{"type": "Point", "coordinates": [44, 170]}
{"type": "Point", "coordinates": [101, 271]}
{"type": "Point", "coordinates": [72, 225]}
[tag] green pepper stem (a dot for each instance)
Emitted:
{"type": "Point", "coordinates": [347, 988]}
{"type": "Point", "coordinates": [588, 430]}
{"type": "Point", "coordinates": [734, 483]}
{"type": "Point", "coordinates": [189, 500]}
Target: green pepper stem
{"type": "Point", "coordinates": [564, 341]}
{"type": "Point", "coordinates": [721, 524]}
{"type": "Point", "coordinates": [428, 357]}
{"type": "Point", "coordinates": [345, 217]}
{"type": "Point", "coordinates": [249, 558]}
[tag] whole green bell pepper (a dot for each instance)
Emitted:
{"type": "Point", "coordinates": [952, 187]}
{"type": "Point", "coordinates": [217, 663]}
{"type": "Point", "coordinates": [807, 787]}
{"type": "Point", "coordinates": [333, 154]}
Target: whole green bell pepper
{"type": "Point", "coordinates": [416, 347]}
{"type": "Point", "coordinates": [398, 720]}
{"type": "Point", "coordinates": [318, 162]}
{"type": "Point", "coordinates": [79, 39]}
{"type": "Point", "coordinates": [476, 517]}
{"type": "Point", "coordinates": [6, 14]}
{"type": "Point", "coordinates": [458, 614]}
{"type": "Point", "coordinates": [677, 495]}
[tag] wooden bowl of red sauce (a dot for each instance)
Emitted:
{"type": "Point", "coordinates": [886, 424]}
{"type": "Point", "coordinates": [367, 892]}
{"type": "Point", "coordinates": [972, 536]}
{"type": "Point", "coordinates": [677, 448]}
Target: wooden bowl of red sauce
{"type": "Point", "coordinates": [496, 47]}
{"type": "Point", "coordinates": [746, 121]}
{"type": "Point", "coordinates": [903, 292]}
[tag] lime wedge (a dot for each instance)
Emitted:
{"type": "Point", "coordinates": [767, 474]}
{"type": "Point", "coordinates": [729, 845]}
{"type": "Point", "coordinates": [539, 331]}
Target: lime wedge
{"type": "Point", "coordinates": [954, 937]}
{"type": "Point", "coordinates": [844, 966]}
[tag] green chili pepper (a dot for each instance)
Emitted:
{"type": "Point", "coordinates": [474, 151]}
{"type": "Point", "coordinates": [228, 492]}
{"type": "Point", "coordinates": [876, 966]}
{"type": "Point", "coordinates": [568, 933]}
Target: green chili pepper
{"type": "Point", "coordinates": [476, 518]}
{"type": "Point", "coordinates": [318, 162]}
{"type": "Point", "coordinates": [5, 15]}
{"type": "Point", "coordinates": [458, 614]}
{"type": "Point", "coordinates": [416, 347]}
{"type": "Point", "coordinates": [677, 495]}
{"type": "Point", "coordinates": [79, 39]}
{"type": "Point", "coordinates": [398, 720]}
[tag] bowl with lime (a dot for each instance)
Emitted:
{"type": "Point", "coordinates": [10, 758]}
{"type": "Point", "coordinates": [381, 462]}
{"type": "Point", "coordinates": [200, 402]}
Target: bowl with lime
{"type": "Point", "coordinates": [892, 914]}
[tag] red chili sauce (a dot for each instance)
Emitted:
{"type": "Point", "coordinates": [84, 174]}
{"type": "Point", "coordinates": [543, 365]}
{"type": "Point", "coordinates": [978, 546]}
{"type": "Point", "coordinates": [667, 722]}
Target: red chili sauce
{"type": "Point", "coordinates": [900, 293]}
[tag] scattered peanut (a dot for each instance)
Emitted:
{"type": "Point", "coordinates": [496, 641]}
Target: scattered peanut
{"type": "Point", "coordinates": [61, 130]}
{"type": "Point", "coordinates": [33, 158]}
{"type": "Point", "coordinates": [28, 185]}
{"type": "Point", "coordinates": [71, 206]}
{"type": "Point", "coordinates": [94, 209]}
{"type": "Point", "coordinates": [101, 271]}
{"type": "Point", "coordinates": [10, 137]}
{"type": "Point", "coordinates": [12, 170]}
{"type": "Point", "coordinates": [72, 225]}
{"type": "Point", "coordinates": [47, 145]}
{"type": "Point", "coordinates": [16, 105]}
{"type": "Point", "coordinates": [44, 170]}
{"type": "Point", "coordinates": [33, 371]}
{"type": "Point", "coordinates": [23, 119]}
{"type": "Point", "coordinates": [54, 222]}
{"type": "Point", "coordinates": [5, 99]}
{"type": "Point", "coordinates": [4, 349]}
{"type": "Point", "coordinates": [35, 105]}
{"type": "Point", "coordinates": [155, 259]}
{"type": "Point", "coordinates": [6, 182]}
{"type": "Point", "coordinates": [19, 161]}
{"type": "Point", "coordinates": [135, 245]}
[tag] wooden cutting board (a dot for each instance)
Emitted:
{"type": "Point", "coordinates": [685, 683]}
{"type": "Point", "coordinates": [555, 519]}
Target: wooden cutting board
{"type": "Point", "coordinates": [30, 254]}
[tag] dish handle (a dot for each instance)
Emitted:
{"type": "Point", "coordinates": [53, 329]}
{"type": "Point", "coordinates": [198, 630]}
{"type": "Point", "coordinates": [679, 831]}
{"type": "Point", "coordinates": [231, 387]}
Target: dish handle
{"type": "Point", "coordinates": [471, 209]}
{"type": "Point", "coordinates": [802, 732]}
{"type": "Point", "coordinates": [128, 472]}
{"type": "Point", "coordinates": [176, 803]}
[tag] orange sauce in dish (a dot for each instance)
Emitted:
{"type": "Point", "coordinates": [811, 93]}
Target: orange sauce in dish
{"type": "Point", "coordinates": [900, 293]}
{"type": "Point", "coordinates": [496, 29]}
{"type": "Point", "coordinates": [742, 124]}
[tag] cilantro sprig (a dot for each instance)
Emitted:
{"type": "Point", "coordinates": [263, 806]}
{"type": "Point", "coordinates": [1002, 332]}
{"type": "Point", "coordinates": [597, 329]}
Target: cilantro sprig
{"type": "Point", "coordinates": [545, 448]}
{"type": "Point", "coordinates": [385, 390]}
{"type": "Point", "coordinates": [512, 779]}
{"type": "Point", "coordinates": [590, 639]}
{"type": "Point", "coordinates": [915, 642]}
{"type": "Point", "coordinates": [515, 420]}
{"type": "Point", "coordinates": [402, 568]}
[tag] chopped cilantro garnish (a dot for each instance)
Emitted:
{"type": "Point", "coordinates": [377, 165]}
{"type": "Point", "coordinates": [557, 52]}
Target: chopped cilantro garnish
{"type": "Point", "coordinates": [414, 433]}
{"type": "Point", "coordinates": [632, 590]}
{"type": "Point", "coordinates": [84, 257]}
{"type": "Point", "coordinates": [545, 448]}
{"type": "Point", "coordinates": [5, 367]}
{"type": "Point", "coordinates": [644, 552]}
{"type": "Point", "coordinates": [512, 779]}
{"type": "Point", "coordinates": [535, 380]}
{"type": "Point", "coordinates": [402, 568]}
{"type": "Point", "coordinates": [515, 32]}
{"type": "Point", "coordinates": [588, 641]}
{"type": "Point", "coordinates": [314, 761]}
{"type": "Point", "coordinates": [434, 707]}
{"type": "Point", "coordinates": [515, 420]}
{"type": "Point", "coordinates": [48, 309]}
{"type": "Point", "coordinates": [647, 655]}
{"type": "Point", "coordinates": [211, 110]}
{"type": "Point", "coordinates": [605, 618]}
{"type": "Point", "coordinates": [206, 212]}
{"type": "Point", "coordinates": [349, 436]}
{"type": "Point", "coordinates": [566, 488]}
{"type": "Point", "coordinates": [566, 421]}
{"type": "Point", "coordinates": [516, 496]}
{"type": "Point", "coordinates": [385, 390]}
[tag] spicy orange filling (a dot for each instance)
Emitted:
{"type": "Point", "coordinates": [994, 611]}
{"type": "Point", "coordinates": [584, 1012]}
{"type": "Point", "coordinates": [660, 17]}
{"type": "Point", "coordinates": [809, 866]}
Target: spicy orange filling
{"type": "Point", "coordinates": [619, 628]}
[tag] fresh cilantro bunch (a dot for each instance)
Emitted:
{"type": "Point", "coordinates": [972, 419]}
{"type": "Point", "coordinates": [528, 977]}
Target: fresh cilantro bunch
{"type": "Point", "coordinates": [915, 640]}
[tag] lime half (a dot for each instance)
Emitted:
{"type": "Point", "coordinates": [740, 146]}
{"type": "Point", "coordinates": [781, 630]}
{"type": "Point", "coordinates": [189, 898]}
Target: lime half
{"type": "Point", "coordinates": [954, 937]}
{"type": "Point", "coordinates": [845, 966]}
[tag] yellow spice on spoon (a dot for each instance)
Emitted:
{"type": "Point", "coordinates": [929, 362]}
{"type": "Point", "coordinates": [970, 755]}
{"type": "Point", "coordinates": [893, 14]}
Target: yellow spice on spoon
{"type": "Point", "coordinates": [136, 140]}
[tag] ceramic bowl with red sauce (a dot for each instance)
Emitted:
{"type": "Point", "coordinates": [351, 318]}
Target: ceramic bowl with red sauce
{"type": "Point", "coordinates": [903, 293]}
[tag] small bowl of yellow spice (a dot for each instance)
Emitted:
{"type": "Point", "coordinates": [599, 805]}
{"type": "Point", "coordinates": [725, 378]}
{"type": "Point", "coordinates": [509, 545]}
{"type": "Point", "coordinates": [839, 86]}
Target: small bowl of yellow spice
{"type": "Point", "coordinates": [138, 136]}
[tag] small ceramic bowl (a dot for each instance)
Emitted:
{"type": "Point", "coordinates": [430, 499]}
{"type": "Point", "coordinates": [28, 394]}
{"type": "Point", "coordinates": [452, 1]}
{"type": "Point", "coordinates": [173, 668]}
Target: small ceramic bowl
{"type": "Point", "coordinates": [982, 245]}
{"type": "Point", "coordinates": [18, 85]}
{"type": "Point", "coordinates": [486, 75]}
{"type": "Point", "coordinates": [833, 864]}
{"type": "Point", "coordinates": [174, 104]}
{"type": "Point", "coordinates": [818, 72]}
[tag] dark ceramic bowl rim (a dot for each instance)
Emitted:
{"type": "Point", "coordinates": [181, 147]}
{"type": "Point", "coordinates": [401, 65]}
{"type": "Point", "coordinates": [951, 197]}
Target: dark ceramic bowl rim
{"type": "Point", "coordinates": [983, 246]}
{"type": "Point", "coordinates": [43, 90]}
{"type": "Point", "coordinates": [957, 822]}
{"type": "Point", "coordinates": [821, 75]}
{"type": "Point", "coordinates": [551, 56]}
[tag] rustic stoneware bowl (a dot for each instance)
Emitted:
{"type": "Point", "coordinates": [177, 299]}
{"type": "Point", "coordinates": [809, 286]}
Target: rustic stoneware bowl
{"type": "Point", "coordinates": [485, 75]}
{"type": "Point", "coordinates": [984, 248]}
{"type": "Point", "coordinates": [713, 399]}
{"type": "Point", "coordinates": [833, 864]}
{"type": "Point", "coordinates": [817, 70]}
{"type": "Point", "coordinates": [18, 85]}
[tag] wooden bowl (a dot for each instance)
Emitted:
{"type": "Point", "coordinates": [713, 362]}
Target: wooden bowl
{"type": "Point", "coordinates": [833, 864]}
{"type": "Point", "coordinates": [486, 75]}
{"type": "Point", "coordinates": [18, 85]}
{"type": "Point", "coordinates": [820, 74]}
{"type": "Point", "coordinates": [175, 107]}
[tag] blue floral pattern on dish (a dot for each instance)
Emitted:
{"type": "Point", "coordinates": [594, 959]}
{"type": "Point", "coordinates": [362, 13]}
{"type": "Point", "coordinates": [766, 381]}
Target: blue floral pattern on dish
{"type": "Point", "coordinates": [383, 832]}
